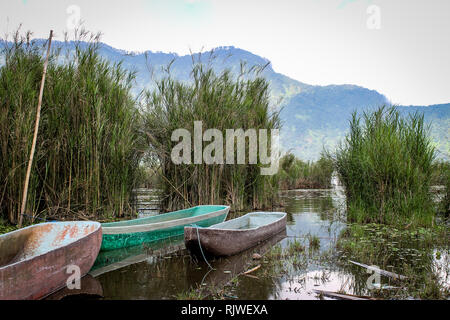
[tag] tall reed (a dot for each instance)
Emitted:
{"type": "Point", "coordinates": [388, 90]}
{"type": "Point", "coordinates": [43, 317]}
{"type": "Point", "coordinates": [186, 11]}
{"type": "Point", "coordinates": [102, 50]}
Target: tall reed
{"type": "Point", "coordinates": [222, 101]}
{"type": "Point", "coordinates": [89, 145]}
{"type": "Point", "coordinates": [385, 164]}
{"type": "Point", "coordinates": [297, 174]}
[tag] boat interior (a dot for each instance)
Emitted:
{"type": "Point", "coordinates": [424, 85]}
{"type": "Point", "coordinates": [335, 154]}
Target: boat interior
{"type": "Point", "coordinates": [251, 220]}
{"type": "Point", "coordinates": [186, 213]}
{"type": "Point", "coordinates": [41, 238]}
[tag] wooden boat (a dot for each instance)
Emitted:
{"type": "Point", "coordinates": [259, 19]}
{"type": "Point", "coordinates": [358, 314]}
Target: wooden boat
{"type": "Point", "coordinates": [34, 261]}
{"type": "Point", "coordinates": [130, 233]}
{"type": "Point", "coordinates": [236, 235]}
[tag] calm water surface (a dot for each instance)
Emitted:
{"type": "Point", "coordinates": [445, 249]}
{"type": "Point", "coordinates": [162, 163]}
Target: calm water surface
{"type": "Point", "coordinates": [165, 270]}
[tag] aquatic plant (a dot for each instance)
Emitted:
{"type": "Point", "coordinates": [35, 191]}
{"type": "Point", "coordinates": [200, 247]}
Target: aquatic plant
{"type": "Point", "coordinates": [314, 242]}
{"type": "Point", "coordinates": [441, 177]}
{"type": "Point", "coordinates": [411, 253]}
{"type": "Point", "coordinates": [275, 253]}
{"type": "Point", "coordinates": [385, 164]}
{"type": "Point", "coordinates": [294, 248]}
{"type": "Point", "coordinates": [221, 101]}
{"type": "Point", "coordinates": [297, 174]}
{"type": "Point", "coordinates": [88, 145]}
{"type": "Point", "coordinates": [191, 294]}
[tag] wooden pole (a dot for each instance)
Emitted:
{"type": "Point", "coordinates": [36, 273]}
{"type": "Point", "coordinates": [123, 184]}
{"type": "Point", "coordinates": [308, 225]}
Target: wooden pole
{"type": "Point", "coordinates": [36, 128]}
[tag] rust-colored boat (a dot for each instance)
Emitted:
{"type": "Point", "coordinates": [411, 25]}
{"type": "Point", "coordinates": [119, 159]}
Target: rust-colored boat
{"type": "Point", "coordinates": [35, 261]}
{"type": "Point", "coordinates": [236, 235]}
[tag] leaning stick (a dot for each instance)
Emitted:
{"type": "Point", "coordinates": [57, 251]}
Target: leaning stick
{"type": "Point", "coordinates": [36, 128]}
{"type": "Point", "coordinates": [342, 296]}
{"type": "Point", "coordinates": [380, 271]}
{"type": "Point", "coordinates": [251, 270]}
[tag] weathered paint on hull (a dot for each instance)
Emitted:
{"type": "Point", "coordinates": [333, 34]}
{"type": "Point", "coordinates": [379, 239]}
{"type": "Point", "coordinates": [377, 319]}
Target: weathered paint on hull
{"type": "Point", "coordinates": [124, 240]}
{"type": "Point", "coordinates": [36, 272]}
{"type": "Point", "coordinates": [227, 242]}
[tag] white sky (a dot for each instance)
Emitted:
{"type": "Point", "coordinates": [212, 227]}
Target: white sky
{"type": "Point", "coordinates": [313, 41]}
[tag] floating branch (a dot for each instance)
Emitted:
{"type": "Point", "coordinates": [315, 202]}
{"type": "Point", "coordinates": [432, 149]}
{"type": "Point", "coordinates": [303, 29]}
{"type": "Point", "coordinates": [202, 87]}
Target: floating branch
{"type": "Point", "coordinates": [342, 296]}
{"type": "Point", "coordinates": [380, 271]}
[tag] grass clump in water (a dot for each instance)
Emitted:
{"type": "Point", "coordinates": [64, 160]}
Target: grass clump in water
{"type": "Point", "coordinates": [275, 253]}
{"type": "Point", "coordinates": [191, 294]}
{"type": "Point", "coordinates": [441, 177]}
{"type": "Point", "coordinates": [385, 164]}
{"type": "Point", "coordinates": [294, 248]}
{"type": "Point", "coordinates": [297, 174]}
{"type": "Point", "coordinates": [314, 242]}
{"type": "Point", "coordinates": [421, 255]}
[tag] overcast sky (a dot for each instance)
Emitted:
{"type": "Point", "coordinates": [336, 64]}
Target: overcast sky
{"type": "Point", "coordinates": [400, 48]}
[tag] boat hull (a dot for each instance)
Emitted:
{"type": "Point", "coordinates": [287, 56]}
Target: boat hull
{"type": "Point", "coordinates": [216, 241]}
{"type": "Point", "coordinates": [134, 235]}
{"type": "Point", "coordinates": [36, 277]}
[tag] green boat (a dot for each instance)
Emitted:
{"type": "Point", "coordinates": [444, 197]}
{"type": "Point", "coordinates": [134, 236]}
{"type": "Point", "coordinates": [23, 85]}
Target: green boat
{"type": "Point", "coordinates": [130, 233]}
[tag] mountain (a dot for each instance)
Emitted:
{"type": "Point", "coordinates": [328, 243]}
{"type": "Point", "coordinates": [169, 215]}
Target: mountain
{"type": "Point", "coordinates": [319, 117]}
{"type": "Point", "coordinates": [313, 116]}
{"type": "Point", "coordinates": [151, 65]}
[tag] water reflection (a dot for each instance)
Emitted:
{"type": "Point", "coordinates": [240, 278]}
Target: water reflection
{"type": "Point", "coordinates": [302, 287]}
{"type": "Point", "coordinates": [149, 273]}
{"type": "Point", "coordinates": [146, 276]}
{"type": "Point", "coordinates": [90, 288]}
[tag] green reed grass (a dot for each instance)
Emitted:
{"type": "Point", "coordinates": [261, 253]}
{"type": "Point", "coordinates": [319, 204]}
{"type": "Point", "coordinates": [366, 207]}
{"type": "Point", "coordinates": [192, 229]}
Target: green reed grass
{"type": "Point", "coordinates": [441, 177]}
{"type": "Point", "coordinates": [222, 101]}
{"type": "Point", "coordinates": [88, 146]}
{"type": "Point", "coordinates": [298, 174]}
{"type": "Point", "coordinates": [385, 164]}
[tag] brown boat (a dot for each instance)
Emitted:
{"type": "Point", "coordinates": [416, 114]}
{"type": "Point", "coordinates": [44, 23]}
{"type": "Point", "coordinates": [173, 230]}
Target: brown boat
{"type": "Point", "coordinates": [236, 235]}
{"type": "Point", "coordinates": [34, 261]}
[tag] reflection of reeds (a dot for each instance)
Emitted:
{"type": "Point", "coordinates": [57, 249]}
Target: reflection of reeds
{"type": "Point", "coordinates": [88, 147]}
{"type": "Point", "coordinates": [385, 164]}
{"type": "Point", "coordinates": [221, 102]}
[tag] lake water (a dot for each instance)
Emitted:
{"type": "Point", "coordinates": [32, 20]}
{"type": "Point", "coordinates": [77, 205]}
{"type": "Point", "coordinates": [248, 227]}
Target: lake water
{"type": "Point", "coordinates": [166, 271]}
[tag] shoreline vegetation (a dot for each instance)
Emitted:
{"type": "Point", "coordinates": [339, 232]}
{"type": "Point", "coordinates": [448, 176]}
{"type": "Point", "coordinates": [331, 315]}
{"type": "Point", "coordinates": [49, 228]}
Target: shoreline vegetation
{"type": "Point", "coordinates": [385, 164]}
{"type": "Point", "coordinates": [88, 147]}
{"type": "Point", "coordinates": [97, 142]}
{"type": "Point", "coordinates": [221, 101]}
{"type": "Point", "coordinates": [297, 174]}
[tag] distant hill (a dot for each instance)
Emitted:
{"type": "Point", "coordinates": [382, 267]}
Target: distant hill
{"type": "Point", "coordinates": [313, 116]}
{"type": "Point", "coordinates": [151, 65]}
{"type": "Point", "coordinates": [319, 118]}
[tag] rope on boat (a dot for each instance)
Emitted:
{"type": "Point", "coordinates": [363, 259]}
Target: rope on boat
{"type": "Point", "coordinates": [200, 246]}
